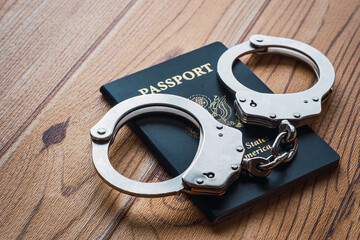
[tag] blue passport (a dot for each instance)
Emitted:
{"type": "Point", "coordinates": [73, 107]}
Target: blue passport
{"type": "Point", "coordinates": [174, 141]}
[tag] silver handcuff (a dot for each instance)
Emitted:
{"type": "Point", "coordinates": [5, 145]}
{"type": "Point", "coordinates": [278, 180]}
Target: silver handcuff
{"type": "Point", "coordinates": [219, 157]}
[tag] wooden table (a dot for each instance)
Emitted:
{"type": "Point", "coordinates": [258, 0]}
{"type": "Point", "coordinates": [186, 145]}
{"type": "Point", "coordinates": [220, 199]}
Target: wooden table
{"type": "Point", "coordinates": [55, 55]}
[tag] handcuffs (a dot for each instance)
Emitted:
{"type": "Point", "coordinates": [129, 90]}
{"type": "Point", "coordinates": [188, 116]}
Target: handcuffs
{"type": "Point", "coordinates": [219, 157]}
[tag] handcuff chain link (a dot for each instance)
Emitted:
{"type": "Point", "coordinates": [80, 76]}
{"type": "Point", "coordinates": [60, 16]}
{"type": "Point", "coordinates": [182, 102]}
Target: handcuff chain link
{"type": "Point", "coordinates": [261, 166]}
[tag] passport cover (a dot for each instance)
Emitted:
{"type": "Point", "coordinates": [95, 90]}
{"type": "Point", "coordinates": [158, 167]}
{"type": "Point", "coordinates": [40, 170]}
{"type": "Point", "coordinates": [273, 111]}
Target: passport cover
{"type": "Point", "coordinates": [174, 141]}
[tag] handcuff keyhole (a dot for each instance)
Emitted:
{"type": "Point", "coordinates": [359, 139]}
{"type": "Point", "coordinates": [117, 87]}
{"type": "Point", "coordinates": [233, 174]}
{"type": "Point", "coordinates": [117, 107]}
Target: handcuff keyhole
{"type": "Point", "coordinates": [253, 104]}
{"type": "Point", "coordinates": [209, 174]}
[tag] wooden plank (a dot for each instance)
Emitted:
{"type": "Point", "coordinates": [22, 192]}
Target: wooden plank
{"type": "Point", "coordinates": [48, 186]}
{"type": "Point", "coordinates": [29, 191]}
{"type": "Point", "coordinates": [42, 44]}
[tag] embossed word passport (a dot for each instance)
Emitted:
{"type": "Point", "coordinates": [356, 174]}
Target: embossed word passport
{"type": "Point", "coordinates": [174, 142]}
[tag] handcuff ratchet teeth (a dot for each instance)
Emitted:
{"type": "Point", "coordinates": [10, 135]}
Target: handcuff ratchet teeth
{"type": "Point", "coordinates": [219, 157]}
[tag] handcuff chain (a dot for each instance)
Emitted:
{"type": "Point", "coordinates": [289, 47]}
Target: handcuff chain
{"type": "Point", "coordinates": [260, 166]}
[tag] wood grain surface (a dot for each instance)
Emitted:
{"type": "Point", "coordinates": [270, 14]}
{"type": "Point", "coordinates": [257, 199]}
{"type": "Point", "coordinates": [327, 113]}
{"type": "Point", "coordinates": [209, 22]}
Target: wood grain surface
{"type": "Point", "coordinates": [55, 55]}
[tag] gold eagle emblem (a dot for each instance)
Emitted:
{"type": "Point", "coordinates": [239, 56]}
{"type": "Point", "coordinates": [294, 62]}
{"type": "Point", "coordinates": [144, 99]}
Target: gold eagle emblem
{"type": "Point", "coordinates": [219, 109]}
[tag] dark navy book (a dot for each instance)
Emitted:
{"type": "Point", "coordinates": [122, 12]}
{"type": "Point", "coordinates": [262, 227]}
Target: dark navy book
{"type": "Point", "coordinates": [174, 141]}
